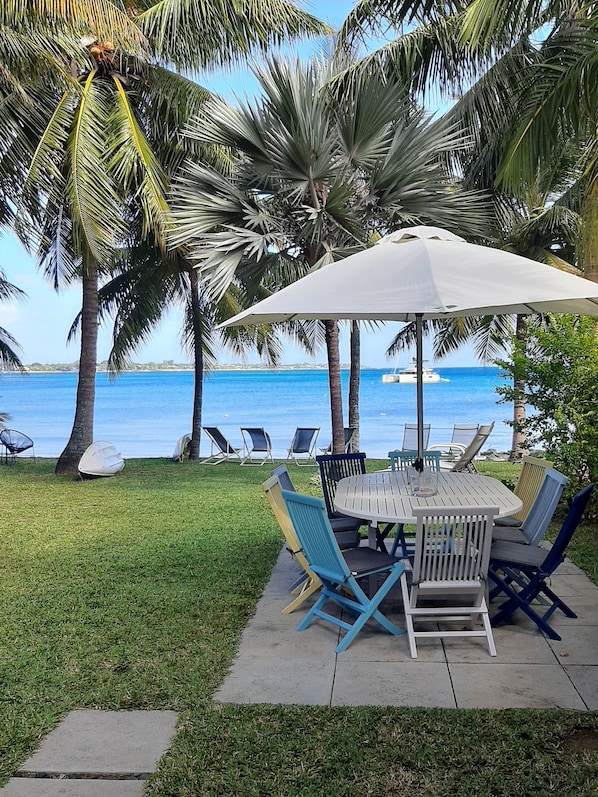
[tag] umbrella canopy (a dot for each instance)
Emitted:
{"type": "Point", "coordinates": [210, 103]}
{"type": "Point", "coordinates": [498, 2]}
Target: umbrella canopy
{"type": "Point", "coordinates": [419, 273]}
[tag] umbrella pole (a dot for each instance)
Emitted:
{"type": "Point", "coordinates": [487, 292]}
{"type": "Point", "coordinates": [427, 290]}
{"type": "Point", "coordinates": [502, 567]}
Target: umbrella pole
{"type": "Point", "coordinates": [419, 362]}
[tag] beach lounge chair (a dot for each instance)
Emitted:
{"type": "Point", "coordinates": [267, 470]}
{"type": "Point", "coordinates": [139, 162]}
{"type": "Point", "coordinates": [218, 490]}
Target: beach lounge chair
{"type": "Point", "coordinates": [535, 567]}
{"type": "Point", "coordinates": [452, 551]}
{"type": "Point", "coordinates": [181, 448]}
{"type": "Point", "coordinates": [349, 432]}
{"type": "Point", "coordinates": [220, 448]}
{"type": "Point", "coordinates": [341, 573]}
{"type": "Point", "coordinates": [463, 434]}
{"type": "Point", "coordinates": [410, 437]}
{"type": "Point", "coordinates": [303, 446]}
{"type": "Point", "coordinates": [465, 463]}
{"type": "Point", "coordinates": [257, 446]}
{"type": "Point", "coordinates": [15, 443]}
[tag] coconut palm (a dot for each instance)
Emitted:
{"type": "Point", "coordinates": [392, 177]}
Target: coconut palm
{"type": "Point", "coordinates": [9, 358]}
{"type": "Point", "coordinates": [318, 173]}
{"type": "Point", "coordinates": [91, 160]}
{"type": "Point", "coordinates": [532, 71]}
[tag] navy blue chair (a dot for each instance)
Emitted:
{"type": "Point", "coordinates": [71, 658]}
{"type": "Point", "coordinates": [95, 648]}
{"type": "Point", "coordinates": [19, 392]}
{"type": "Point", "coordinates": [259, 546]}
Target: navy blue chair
{"type": "Point", "coordinates": [534, 567]}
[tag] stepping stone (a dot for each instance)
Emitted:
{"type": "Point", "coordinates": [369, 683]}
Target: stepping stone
{"type": "Point", "coordinates": [107, 753]}
{"type": "Point", "coordinates": [57, 787]}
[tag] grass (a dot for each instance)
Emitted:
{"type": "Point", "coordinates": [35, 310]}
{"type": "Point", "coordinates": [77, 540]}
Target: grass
{"type": "Point", "coordinates": [132, 593]}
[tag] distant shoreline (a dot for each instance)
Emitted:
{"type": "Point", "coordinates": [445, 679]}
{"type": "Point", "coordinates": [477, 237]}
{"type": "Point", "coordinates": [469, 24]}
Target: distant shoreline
{"type": "Point", "coordinates": [141, 368]}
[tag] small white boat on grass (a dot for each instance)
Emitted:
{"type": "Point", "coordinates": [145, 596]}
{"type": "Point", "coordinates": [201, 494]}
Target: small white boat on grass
{"type": "Point", "coordinates": [100, 459]}
{"type": "Point", "coordinates": [408, 376]}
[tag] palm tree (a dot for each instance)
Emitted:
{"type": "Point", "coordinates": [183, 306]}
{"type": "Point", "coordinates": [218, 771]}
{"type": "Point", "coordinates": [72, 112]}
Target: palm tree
{"type": "Point", "coordinates": [319, 172]}
{"type": "Point", "coordinates": [532, 71]}
{"type": "Point", "coordinates": [9, 359]}
{"type": "Point", "coordinates": [92, 163]}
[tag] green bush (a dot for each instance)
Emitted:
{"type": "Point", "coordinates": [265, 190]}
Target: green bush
{"type": "Point", "coordinates": [559, 365]}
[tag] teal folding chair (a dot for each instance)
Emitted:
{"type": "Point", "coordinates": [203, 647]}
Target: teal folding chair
{"type": "Point", "coordinates": [400, 460]}
{"type": "Point", "coordinates": [340, 573]}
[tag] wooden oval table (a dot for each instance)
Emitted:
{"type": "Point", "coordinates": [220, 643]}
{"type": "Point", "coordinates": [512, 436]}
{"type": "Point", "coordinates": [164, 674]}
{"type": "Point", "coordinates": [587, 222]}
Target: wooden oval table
{"type": "Point", "coordinates": [385, 497]}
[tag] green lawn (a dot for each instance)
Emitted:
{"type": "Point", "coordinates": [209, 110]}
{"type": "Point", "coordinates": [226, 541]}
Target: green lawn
{"type": "Point", "coordinates": [131, 592]}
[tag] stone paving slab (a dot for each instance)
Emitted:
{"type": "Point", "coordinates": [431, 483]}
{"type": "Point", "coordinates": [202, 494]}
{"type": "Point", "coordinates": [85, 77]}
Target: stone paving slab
{"type": "Point", "coordinates": [530, 670]}
{"type": "Point", "coordinates": [53, 787]}
{"type": "Point", "coordinates": [105, 743]}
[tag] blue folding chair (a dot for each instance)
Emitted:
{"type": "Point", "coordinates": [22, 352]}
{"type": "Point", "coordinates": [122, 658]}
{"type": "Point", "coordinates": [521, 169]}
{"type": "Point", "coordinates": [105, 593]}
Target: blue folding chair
{"type": "Point", "coordinates": [340, 573]}
{"type": "Point", "coordinates": [534, 567]}
{"type": "Point", "coordinates": [400, 460]}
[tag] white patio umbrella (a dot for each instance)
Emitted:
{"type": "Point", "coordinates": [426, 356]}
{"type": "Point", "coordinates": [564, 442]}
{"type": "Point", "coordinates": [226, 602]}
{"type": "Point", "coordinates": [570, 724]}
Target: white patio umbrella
{"type": "Point", "coordinates": [419, 273]}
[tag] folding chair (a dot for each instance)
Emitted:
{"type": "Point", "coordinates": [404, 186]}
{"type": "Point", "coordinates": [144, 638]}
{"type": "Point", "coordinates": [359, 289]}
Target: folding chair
{"type": "Point", "coordinates": [346, 538]}
{"type": "Point", "coordinates": [333, 468]}
{"type": "Point", "coordinates": [465, 463]}
{"type": "Point", "coordinates": [463, 434]}
{"type": "Point", "coordinates": [538, 519]}
{"type": "Point", "coordinates": [535, 567]}
{"type": "Point", "coordinates": [452, 550]}
{"type": "Point", "coordinates": [400, 460]}
{"type": "Point", "coordinates": [529, 482]}
{"type": "Point", "coordinates": [15, 443]}
{"type": "Point", "coordinates": [303, 446]}
{"type": "Point", "coordinates": [220, 449]}
{"type": "Point", "coordinates": [309, 582]}
{"type": "Point", "coordinates": [349, 432]}
{"type": "Point", "coordinates": [340, 574]}
{"type": "Point", "coordinates": [257, 446]}
{"type": "Point", "coordinates": [410, 436]}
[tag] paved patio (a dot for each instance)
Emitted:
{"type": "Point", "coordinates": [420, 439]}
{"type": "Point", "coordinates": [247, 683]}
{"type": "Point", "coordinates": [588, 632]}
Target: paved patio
{"type": "Point", "coordinates": [277, 664]}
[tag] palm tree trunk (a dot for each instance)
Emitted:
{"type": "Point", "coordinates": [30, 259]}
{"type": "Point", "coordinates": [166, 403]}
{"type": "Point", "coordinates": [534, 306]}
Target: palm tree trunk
{"type": "Point", "coordinates": [198, 366]}
{"type": "Point", "coordinates": [354, 379]}
{"type": "Point", "coordinates": [519, 441]}
{"type": "Point", "coordinates": [82, 432]}
{"type": "Point", "coordinates": [334, 383]}
{"type": "Point", "coordinates": [589, 214]}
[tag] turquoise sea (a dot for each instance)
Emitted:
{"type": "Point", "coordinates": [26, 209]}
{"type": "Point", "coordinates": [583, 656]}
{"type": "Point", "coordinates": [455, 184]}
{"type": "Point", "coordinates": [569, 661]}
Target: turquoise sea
{"type": "Point", "coordinates": [144, 413]}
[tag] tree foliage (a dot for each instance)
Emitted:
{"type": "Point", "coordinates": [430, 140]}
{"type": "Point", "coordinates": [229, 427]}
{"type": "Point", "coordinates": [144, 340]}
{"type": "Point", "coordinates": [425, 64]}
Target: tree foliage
{"type": "Point", "coordinates": [560, 370]}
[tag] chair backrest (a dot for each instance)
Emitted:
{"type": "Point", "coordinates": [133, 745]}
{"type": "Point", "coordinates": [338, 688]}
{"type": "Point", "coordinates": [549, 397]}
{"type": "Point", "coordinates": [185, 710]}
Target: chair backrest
{"type": "Point", "coordinates": [463, 433]}
{"type": "Point", "coordinates": [349, 433]}
{"type": "Point", "coordinates": [333, 468]}
{"type": "Point", "coordinates": [538, 519]}
{"type": "Point", "coordinates": [282, 474]}
{"type": "Point", "coordinates": [219, 440]}
{"type": "Point", "coordinates": [465, 461]}
{"type": "Point", "coordinates": [310, 521]}
{"type": "Point", "coordinates": [273, 489]}
{"type": "Point", "coordinates": [304, 440]}
{"type": "Point", "coordinates": [452, 544]}
{"type": "Point", "coordinates": [260, 439]}
{"type": "Point", "coordinates": [410, 436]}
{"type": "Point", "coordinates": [557, 553]}
{"type": "Point", "coordinates": [531, 476]}
{"type": "Point", "coordinates": [400, 460]}
{"type": "Point", "coordinates": [15, 441]}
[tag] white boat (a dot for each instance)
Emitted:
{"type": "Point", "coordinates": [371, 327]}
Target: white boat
{"type": "Point", "coordinates": [408, 376]}
{"type": "Point", "coordinates": [100, 459]}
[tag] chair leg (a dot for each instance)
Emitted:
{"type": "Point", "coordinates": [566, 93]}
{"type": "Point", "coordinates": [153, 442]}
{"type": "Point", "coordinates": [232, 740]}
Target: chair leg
{"type": "Point", "coordinates": [516, 601]}
{"type": "Point", "coordinates": [308, 590]}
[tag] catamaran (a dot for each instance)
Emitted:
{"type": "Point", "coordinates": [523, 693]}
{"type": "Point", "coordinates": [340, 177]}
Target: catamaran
{"type": "Point", "coordinates": [408, 375]}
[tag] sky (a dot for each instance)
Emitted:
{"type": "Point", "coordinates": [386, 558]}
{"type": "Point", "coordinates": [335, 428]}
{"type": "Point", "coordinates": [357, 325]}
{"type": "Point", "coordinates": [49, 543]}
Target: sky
{"type": "Point", "coordinates": [41, 322]}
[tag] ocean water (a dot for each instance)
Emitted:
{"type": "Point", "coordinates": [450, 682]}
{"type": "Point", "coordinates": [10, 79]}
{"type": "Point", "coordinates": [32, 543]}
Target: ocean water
{"type": "Point", "coordinates": [144, 413]}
